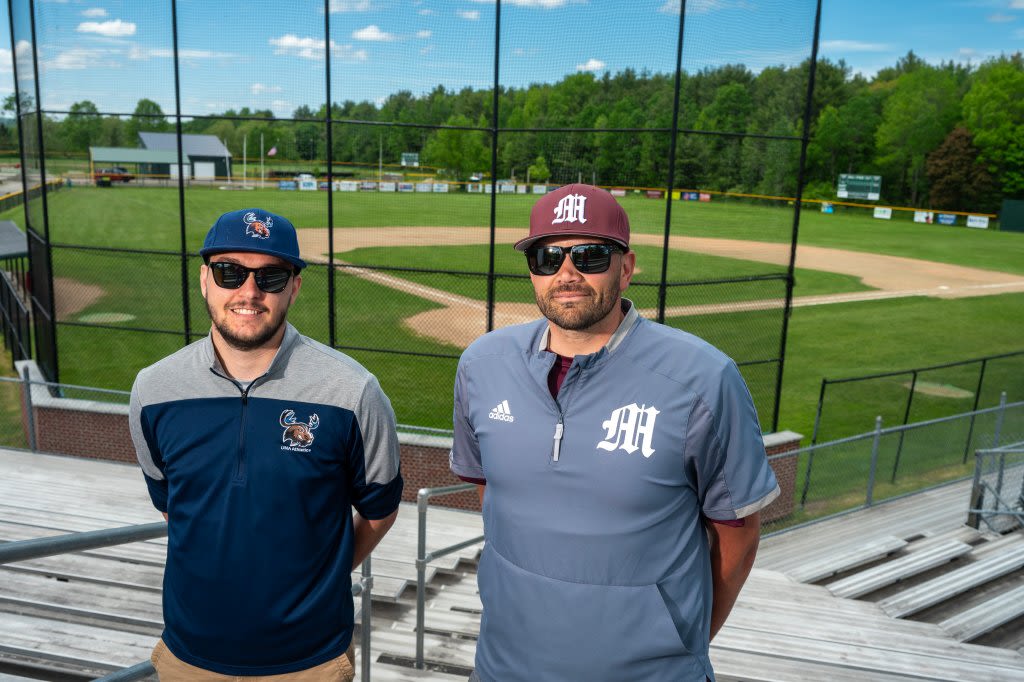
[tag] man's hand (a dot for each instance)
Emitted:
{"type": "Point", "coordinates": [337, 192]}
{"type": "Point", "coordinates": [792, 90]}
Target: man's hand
{"type": "Point", "coordinates": [368, 533]}
{"type": "Point", "coordinates": [732, 556]}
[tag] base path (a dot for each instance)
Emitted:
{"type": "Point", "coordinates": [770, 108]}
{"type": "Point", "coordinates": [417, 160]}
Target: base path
{"type": "Point", "coordinates": [463, 319]}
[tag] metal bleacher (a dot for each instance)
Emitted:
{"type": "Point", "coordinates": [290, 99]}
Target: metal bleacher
{"type": "Point", "coordinates": [91, 612]}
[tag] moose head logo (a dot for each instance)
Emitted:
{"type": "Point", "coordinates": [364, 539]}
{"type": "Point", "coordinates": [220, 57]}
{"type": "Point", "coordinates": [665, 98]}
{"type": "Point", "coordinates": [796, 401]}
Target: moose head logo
{"type": "Point", "coordinates": [258, 229]}
{"type": "Point", "coordinates": [296, 433]}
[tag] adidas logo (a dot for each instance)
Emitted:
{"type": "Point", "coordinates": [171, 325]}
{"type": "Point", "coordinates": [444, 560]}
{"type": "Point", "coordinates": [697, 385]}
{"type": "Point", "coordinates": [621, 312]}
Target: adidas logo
{"type": "Point", "coordinates": [502, 412]}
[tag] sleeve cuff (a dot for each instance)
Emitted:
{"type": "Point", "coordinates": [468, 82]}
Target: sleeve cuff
{"type": "Point", "coordinates": [381, 500]}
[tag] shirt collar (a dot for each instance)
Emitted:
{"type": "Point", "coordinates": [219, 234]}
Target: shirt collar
{"type": "Point", "coordinates": [613, 342]}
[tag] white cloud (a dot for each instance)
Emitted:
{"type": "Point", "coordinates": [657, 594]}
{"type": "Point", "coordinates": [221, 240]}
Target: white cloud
{"type": "Point", "coordinates": [313, 48]}
{"type": "Point", "coordinates": [427, 12]}
{"type": "Point", "coordinates": [77, 59]}
{"type": "Point", "coordinates": [6, 64]}
{"type": "Point", "coordinates": [1000, 18]}
{"type": "Point", "coordinates": [543, 4]}
{"type": "Point", "coordinates": [143, 53]}
{"type": "Point", "coordinates": [260, 88]}
{"type": "Point", "coordinates": [1016, 4]}
{"type": "Point", "coordinates": [967, 52]}
{"type": "Point", "coordinates": [591, 65]}
{"type": "Point", "coordinates": [853, 46]}
{"type": "Point", "coordinates": [23, 49]}
{"type": "Point", "coordinates": [111, 29]}
{"type": "Point", "coordinates": [469, 14]}
{"type": "Point", "coordinates": [95, 13]}
{"type": "Point", "coordinates": [372, 33]}
{"type": "Point", "coordinates": [349, 6]}
{"type": "Point", "coordinates": [424, 34]}
{"type": "Point", "coordinates": [427, 50]}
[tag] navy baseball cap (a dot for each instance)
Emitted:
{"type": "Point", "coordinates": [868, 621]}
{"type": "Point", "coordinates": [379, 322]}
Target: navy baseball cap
{"type": "Point", "coordinates": [253, 230]}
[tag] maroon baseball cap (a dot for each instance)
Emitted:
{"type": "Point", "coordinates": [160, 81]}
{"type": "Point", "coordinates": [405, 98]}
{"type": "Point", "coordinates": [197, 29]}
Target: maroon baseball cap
{"type": "Point", "coordinates": [577, 210]}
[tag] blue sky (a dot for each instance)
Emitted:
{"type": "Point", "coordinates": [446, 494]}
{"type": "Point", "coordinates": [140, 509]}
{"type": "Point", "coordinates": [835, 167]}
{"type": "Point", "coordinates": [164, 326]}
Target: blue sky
{"type": "Point", "coordinates": [269, 54]}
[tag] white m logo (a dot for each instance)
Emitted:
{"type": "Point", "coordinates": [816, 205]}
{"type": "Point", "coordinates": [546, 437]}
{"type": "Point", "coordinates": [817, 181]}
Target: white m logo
{"type": "Point", "coordinates": [630, 428]}
{"type": "Point", "coordinates": [570, 209]}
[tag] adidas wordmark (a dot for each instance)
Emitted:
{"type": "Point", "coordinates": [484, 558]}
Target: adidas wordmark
{"type": "Point", "coordinates": [502, 412]}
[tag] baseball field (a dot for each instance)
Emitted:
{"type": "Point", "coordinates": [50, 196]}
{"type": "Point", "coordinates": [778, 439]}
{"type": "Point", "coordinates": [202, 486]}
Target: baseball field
{"type": "Point", "coordinates": [870, 295]}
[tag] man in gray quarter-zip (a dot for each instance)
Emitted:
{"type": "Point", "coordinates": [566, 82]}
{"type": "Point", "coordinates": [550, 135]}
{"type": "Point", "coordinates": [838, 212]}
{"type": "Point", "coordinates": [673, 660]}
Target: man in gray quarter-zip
{"type": "Point", "coordinates": [257, 443]}
{"type": "Point", "coordinates": [620, 466]}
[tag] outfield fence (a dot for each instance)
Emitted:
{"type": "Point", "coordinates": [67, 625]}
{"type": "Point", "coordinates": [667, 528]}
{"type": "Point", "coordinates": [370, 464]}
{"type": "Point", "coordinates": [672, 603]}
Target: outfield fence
{"type": "Point", "coordinates": [115, 269]}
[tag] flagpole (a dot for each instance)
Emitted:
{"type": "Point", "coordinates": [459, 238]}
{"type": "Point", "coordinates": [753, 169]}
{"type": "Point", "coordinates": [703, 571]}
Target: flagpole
{"type": "Point", "coordinates": [262, 177]}
{"type": "Point", "coordinates": [245, 174]}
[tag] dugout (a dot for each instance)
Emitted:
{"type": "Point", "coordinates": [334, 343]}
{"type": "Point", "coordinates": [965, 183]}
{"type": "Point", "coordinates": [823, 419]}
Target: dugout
{"type": "Point", "coordinates": [1011, 218]}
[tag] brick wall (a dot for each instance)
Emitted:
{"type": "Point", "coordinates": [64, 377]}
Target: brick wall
{"type": "Point", "coordinates": [785, 471]}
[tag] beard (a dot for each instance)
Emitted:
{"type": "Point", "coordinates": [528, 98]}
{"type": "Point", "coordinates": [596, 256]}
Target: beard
{"type": "Point", "coordinates": [247, 339]}
{"type": "Point", "coordinates": [578, 315]}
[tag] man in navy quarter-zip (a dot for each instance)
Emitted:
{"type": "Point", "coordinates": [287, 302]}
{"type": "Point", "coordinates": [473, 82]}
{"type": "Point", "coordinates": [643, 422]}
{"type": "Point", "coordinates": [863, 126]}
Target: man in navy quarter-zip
{"type": "Point", "coordinates": [257, 443]}
{"type": "Point", "coordinates": [620, 467]}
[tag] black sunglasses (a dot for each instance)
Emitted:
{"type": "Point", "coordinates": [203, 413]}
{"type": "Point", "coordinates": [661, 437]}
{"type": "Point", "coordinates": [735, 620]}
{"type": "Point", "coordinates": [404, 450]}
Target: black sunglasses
{"type": "Point", "coordinates": [271, 279]}
{"type": "Point", "coordinates": [589, 259]}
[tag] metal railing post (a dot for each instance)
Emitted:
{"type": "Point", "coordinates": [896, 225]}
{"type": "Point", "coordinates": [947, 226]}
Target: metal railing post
{"type": "Point", "coordinates": [423, 558]}
{"type": "Point", "coordinates": [30, 417]}
{"type": "Point", "coordinates": [874, 460]}
{"type": "Point", "coordinates": [807, 476]}
{"type": "Point", "coordinates": [422, 499]}
{"type": "Point", "coordinates": [1000, 417]}
{"type": "Point", "coordinates": [367, 618]}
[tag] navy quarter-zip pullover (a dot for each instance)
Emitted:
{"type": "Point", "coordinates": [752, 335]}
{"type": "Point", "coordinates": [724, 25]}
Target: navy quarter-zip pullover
{"type": "Point", "coordinates": [259, 481]}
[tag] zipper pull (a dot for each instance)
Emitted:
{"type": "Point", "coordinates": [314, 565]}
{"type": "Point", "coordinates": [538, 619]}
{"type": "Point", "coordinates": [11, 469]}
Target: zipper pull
{"type": "Point", "coordinates": [558, 439]}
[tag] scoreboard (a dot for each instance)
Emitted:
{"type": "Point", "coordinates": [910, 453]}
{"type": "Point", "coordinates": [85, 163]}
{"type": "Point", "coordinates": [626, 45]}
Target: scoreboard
{"type": "Point", "coordinates": [867, 187]}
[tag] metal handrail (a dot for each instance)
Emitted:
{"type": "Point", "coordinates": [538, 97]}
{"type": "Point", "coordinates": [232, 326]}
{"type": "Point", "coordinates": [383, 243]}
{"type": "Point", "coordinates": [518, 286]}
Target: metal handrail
{"type": "Point", "coordinates": [23, 550]}
{"type": "Point", "coordinates": [423, 558]}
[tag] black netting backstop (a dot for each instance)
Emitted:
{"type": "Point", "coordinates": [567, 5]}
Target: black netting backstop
{"type": "Point", "coordinates": [407, 141]}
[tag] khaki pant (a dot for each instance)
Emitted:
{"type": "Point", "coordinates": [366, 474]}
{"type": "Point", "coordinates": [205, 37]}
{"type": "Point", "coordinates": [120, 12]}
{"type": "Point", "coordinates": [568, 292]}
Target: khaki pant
{"type": "Point", "coordinates": [170, 668]}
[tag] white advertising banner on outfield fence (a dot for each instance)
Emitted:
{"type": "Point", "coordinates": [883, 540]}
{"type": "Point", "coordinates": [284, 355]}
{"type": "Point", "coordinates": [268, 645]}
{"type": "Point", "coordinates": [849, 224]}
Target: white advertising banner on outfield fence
{"type": "Point", "coordinates": [924, 217]}
{"type": "Point", "coordinates": [883, 213]}
{"type": "Point", "coordinates": [540, 189]}
{"type": "Point", "coordinates": [440, 186]}
{"type": "Point", "coordinates": [979, 221]}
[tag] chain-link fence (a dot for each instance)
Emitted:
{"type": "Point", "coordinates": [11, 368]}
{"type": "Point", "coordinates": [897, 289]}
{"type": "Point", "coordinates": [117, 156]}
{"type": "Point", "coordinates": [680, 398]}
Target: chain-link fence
{"type": "Point", "coordinates": [860, 470]}
{"type": "Point", "coordinates": [916, 394]}
{"type": "Point", "coordinates": [424, 134]}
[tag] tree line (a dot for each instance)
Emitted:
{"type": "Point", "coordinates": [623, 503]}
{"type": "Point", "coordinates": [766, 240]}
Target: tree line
{"type": "Point", "coordinates": [948, 136]}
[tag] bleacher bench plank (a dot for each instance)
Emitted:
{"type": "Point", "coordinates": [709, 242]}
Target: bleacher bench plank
{"type": "Point", "coordinates": [866, 660]}
{"type": "Point", "coordinates": [877, 577]}
{"type": "Point", "coordinates": [845, 558]}
{"type": "Point", "coordinates": [937, 590]}
{"type": "Point", "coordinates": [986, 616]}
